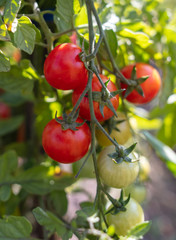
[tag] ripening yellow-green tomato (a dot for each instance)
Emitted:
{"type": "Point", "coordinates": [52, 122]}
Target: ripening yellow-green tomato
{"type": "Point", "coordinates": [136, 191]}
{"type": "Point", "coordinates": [144, 168]}
{"type": "Point", "coordinates": [125, 221]}
{"type": "Point", "coordinates": [121, 136]}
{"type": "Point", "coordinates": [116, 175]}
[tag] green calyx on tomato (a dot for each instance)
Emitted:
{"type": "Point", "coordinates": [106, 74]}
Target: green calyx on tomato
{"type": "Point", "coordinates": [103, 98]}
{"type": "Point", "coordinates": [118, 205]}
{"type": "Point", "coordinates": [137, 81]}
{"type": "Point", "coordinates": [101, 110]}
{"type": "Point", "coordinates": [147, 86]}
{"type": "Point", "coordinates": [69, 121]}
{"type": "Point", "coordinates": [122, 154]}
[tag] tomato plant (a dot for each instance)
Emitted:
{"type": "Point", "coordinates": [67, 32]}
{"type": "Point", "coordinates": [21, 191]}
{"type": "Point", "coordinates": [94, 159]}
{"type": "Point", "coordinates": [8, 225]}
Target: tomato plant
{"type": "Point", "coordinates": [50, 47]}
{"type": "Point", "coordinates": [117, 175]}
{"type": "Point", "coordinates": [66, 146]}
{"type": "Point", "coordinates": [5, 111]}
{"type": "Point", "coordinates": [63, 68]}
{"type": "Point", "coordinates": [121, 132]}
{"type": "Point", "coordinates": [97, 87]}
{"type": "Point", "coordinates": [150, 87]}
{"type": "Point", "coordinates": [126, 220]}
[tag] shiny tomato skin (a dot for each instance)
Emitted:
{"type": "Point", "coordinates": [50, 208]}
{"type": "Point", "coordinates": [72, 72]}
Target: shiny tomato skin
{"type": "Point", "coordinates": [66, 146]}
{"type": "Point", "coordinates": [63, 68]}
{"type": "Point", "coordinates": [150, 87]}
{"type": "Point", "coordinates": [116, 175]}
{"type": "Point", "coordinates": [124, 221]}
{"type": "Point", "coordinates": [84, 106]}
{"type": "Point", "coordinates": [5, 111]}
{"type": "Point", "coordinates": [121, 136]}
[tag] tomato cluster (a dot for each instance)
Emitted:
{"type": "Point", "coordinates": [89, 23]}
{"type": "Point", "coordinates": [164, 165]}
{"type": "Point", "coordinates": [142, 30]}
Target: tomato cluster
{"type": "Point", "coordinates": [64, 70]}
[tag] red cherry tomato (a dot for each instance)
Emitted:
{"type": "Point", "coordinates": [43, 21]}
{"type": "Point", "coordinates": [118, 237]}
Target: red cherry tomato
{"type": "Point", "coordinates": [66, 146]}
{"type": "Point", "coordinates": [5, 111]}
{"type": "Point", "coordinates": [84, 106]}
{"type": "Point", "coordinates": [150, 87]}
{"type": "Point", "coordinates": [63, 68]}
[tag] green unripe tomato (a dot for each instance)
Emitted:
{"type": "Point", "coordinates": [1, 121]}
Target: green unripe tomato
{"type": "Point", "coordinates": [125, 221]}
{"type": "Point", "coordinates": [116, 175]}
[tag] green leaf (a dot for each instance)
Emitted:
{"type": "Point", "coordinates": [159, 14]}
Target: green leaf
{"type": "Point", "coordinates": [12, 99]}
{"type": "Point", "coordinates": [28, 70]}
{"type": "Point", "coordinates": [145, 123]}
{"type": "Point", "coordinates": [11, 9]}
{"type": "Point", "coordinates": [58, 201]}
{"type": "Point", "coordinates": [64, 14]}
{"type": "Point", "coordinates": [38, 33]}
{"type": "Point", "coordinates": [51, 222]}
{"type": "Point", "coordinates": [163, 151]}
{"type": "Point", "coordinates": [3, 31]}
{"type": "Point", "coordinates": [17, 80]}
{"type": "Point", "coordinates": [10, 125]}
{"type": "Point", "coordinates": [112, 41]}
{"type": "Point", "coordinates": [12, 228]}
{"type": "Point", "coordinates": [77, 4]}
{"type": "Point", "coordinates": [138, 38]}
{"type": "Point", "coordinates": [140, 230]}
{"type": "Point", "coordinates": [87, 210]}
{"type": "Point", "coordinates": [165, 133]}
{"type": "Point", "coordinates": [21, 148]}
{"type": "Point", "coordinates": [8, 163]}
{"type": "Point", "coordinates": [81, 17]}
{"type": "Point", "coordinates": [104, 14]}
{"type": "Point", "coordinates": [41, 182]}
{"type": "Point", "coordinates": [24, 36]}
{"type": "Point", "coordinates": [4, 63]}
{"type": "Point", "coordinates": [5, 192]}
